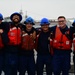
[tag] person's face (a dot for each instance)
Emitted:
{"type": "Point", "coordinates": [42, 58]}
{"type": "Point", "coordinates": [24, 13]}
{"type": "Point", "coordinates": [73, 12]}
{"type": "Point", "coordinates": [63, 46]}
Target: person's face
{"type": "Point", "coordinates": [29, 26]}
{"type": "Point", "coordinates": [16, 18]}
{"type": "Point", "coordinates": [45, 27]}
{"type": "Point", "coordinates": [62, 22]}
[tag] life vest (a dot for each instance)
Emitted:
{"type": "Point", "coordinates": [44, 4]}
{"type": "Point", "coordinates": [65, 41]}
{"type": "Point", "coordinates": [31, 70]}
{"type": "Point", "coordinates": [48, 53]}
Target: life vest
{"type": "Point", "coordinates": [1, 43]}
{"type": "Point", "coordinates": [14, 35]}
{"type": "Point", "coordinates": [27, 41]}
{"type": "Point", "coordinates": [74, 41]}
{"type": "Point", "coordinates": [61, 41]}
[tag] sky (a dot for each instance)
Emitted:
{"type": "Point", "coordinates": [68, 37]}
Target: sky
{"type": "Point", "coordinates": [38, 9]}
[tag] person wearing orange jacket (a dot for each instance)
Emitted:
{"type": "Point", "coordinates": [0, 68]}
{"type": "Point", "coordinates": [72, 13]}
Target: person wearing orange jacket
{"type": "Point", "coordinates": [12, 49]}
{"type": "Point", "coordinates": [26, 54]}
{"type": "Point", "coordinates": [4, 28]}
{"type": "Point", "coordinates": [44, 57]}
{"type": "Point", "coordinates": [62, 44]}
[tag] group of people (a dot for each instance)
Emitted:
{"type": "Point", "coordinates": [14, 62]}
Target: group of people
{"type": "Point", "coordinates": [53, 45]}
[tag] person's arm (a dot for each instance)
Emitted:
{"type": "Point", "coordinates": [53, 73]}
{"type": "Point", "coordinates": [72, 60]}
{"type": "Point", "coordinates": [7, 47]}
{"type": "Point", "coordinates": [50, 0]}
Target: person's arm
{"type": "Point", "coordinates": [5, 38]}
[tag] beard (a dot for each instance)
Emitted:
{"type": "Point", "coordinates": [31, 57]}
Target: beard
{"type": "Point", "coordinates": [15, 21]}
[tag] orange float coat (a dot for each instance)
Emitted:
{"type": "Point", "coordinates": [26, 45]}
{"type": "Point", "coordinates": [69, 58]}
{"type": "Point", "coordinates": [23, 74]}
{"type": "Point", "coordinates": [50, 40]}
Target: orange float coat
{"type": "Point", "coordinates": [61, 41]}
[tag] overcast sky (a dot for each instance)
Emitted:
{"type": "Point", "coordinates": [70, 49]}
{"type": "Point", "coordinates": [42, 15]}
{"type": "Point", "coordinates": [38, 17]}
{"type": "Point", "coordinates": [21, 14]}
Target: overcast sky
{"type": "Point", "coordinates": [39, 8]}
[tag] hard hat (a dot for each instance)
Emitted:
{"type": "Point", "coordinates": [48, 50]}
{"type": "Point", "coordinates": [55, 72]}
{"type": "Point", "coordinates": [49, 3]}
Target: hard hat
{"type": "Point", "coordinates": [16, 13]}
{"type": "Point", "coordinates": [29, 20]}
{"type": "Point", "coordinates": [1, 16]}
{"type": "Point", "coordinates": [44, 21]}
